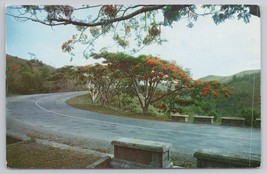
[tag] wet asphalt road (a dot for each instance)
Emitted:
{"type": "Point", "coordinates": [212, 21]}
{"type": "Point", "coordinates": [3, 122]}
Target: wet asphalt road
{"type": "Point", "coordinates": [49, 111]}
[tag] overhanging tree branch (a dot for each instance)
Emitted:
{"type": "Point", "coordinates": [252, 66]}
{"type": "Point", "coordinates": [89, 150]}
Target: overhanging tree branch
{"type": "Point", "coordinates": [130, 29]}
{"type": "Point", "coordinates": [64, 21]}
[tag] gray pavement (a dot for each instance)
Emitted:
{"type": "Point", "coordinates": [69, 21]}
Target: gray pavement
{"type": "Point", "coordinates": [50, 113]}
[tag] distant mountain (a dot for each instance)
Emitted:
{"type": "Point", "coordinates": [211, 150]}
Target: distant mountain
{"type": "Point", "coordinates": [226, 79]}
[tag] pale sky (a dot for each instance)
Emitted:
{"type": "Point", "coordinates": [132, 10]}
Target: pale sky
{"type": "Point", "coordinates": [206, 49]}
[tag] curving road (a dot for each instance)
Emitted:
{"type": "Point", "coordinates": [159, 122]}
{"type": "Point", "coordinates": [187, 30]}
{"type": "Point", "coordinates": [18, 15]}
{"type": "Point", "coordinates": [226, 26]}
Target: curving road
{"type": "Point", "coordinates": [50, 112]}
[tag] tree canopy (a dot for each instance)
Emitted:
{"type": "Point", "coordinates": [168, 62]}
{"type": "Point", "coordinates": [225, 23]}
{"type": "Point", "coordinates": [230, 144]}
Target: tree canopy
{"type": "Point", "coordinates": [151, 79]}
{"type": "Point", "coordinates": [131, 26]}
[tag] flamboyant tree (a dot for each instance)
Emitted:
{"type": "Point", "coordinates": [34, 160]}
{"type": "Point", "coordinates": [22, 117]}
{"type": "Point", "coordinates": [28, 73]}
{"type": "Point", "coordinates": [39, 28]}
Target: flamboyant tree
{"type": "Point", "coordinates": [209, 88]}
{"type": "Point", "coordinates": [198, 93]}
{"type": "Point", "coordinates": [137, 24]}
{"type": "Point", "coordinates": [102, 82]}
{"type": "Point", "coordinates": [90, 82]}
{"type": "Point", "coordinates": [152, 79]}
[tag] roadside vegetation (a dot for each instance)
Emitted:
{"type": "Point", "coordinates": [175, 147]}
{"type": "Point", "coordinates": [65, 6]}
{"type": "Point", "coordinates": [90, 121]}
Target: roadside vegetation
{"type": "Point", "coordinates": [144, 87]}
{"type": "Point", "coordinates": [242, 96]}
{"type": "Point", "coordinates": [33, 76]}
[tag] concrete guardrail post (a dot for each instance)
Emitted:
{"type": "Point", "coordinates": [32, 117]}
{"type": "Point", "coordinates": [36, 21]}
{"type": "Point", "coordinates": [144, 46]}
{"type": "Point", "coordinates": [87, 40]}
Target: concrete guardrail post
{"type": "Point", "coordinates": [258, 122]}
{"type": "Point", "coordinates": [136, 153]}
{"type": "Point", "coordinates": [214, 158]}
{"type": "Point", "coordinates": [180, 118]}
{"type": "Point", "coordinates": [233, 121]}
{"type": "Point", "coordinates": [203, 119]}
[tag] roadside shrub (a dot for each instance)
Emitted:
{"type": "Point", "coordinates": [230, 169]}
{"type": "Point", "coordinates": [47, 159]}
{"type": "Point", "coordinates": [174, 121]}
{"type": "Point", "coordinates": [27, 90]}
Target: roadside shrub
{"type": "Point", "coordinates": [192, 110]}
{"type": "Point", "coordinates": [155, 111]}
{"type": "Point", "coordinates": [250, 116]}
{"type": "Point", "coordinates": [131, 105]}
{"type": "Point", "coordinates": [215, 114]}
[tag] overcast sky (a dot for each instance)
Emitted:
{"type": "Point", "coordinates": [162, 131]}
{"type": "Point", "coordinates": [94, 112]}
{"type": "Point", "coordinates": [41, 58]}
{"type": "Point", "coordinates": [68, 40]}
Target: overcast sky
{"type": "Point", "coordinates": [206, 49]}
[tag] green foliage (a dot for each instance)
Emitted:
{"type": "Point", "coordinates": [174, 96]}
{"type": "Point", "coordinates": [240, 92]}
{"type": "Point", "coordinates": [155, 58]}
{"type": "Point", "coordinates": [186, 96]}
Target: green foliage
{"type": "Point", "coordinates": [234, 78]}
{"type": "Point", "coordinates": [30, 77]}
{"type": "Point", "coordinates": [27, 77]}
{"type": "Point", "coordinates": [174, 13]}
{"type": "Point", "coordinates": [229, 11]}
{"type": "Point", "coordinates": [131, 105]}
{"type": "Point", "coordinates": [192, 110]}
{"type": "Point", "coordinates": [67, 78]}
{"type": "Point", "coordinates": [209, 108]}
{"type": "Point", "coordinates": [242, 97]}
{"type": "Point", "coordinates": [103, 82]}
{"type": "Point", "coordinates": [250, 116]}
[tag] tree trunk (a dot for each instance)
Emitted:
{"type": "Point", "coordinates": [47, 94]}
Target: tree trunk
{"type": "Point", "coordinates": [144, 110]}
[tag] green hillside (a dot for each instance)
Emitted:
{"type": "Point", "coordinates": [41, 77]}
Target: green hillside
{"type": "Point", "coordinates": [33, 76]}
{"type": "Point", "coordinates": [26, 76]}
{"type": "Point", "coordinates": [246, 93]}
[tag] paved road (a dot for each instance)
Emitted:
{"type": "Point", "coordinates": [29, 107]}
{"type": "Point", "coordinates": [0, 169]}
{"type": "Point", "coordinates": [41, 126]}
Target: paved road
{"type": "Point", "coordinates": [50, 112]}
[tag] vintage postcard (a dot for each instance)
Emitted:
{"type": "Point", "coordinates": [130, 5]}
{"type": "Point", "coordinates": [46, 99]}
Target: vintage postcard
{"type": "Point", "coordinates": [133, 86]}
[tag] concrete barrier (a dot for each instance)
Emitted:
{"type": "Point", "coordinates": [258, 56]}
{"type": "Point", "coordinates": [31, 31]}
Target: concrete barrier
{"type": "Point", "coordinates": [180, 118]}
{"type": "Point", "coordinates": [258, 122]}
{"type": "Point", "coordinates": [203, 119]}
{"type": "Point", "coordinates": [232, 121]}
{"type": "Point", "coordinates": [135, 153]}
{"type": "Point", "coordinates": [215, 158]}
